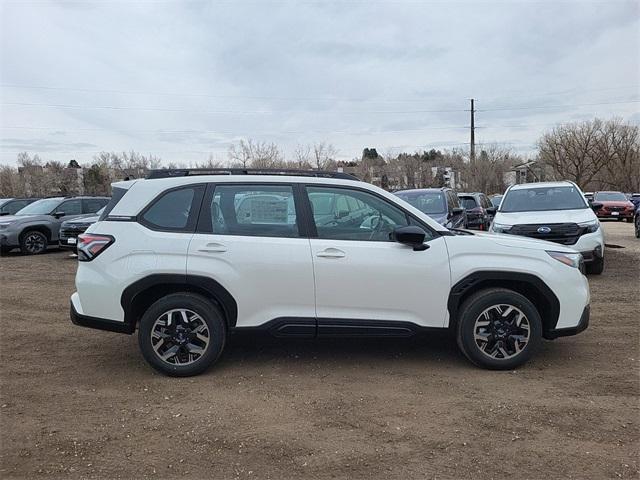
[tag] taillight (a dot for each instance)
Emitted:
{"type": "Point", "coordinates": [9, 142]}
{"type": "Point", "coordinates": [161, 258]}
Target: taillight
{"type": "Point", "coordinates": [90, 245]}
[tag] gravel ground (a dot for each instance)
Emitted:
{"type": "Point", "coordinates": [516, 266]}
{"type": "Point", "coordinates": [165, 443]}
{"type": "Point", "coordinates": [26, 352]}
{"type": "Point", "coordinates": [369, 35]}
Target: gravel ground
{"type": "Point", "coordinates": [79, 403]}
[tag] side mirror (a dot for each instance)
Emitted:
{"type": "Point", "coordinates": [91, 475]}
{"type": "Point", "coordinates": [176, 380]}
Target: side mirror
{"type": "Point", "coordinates": [412, 236]}
{"type": "Point", "coordinates": [595, 206]}
{"type": "Point", "coordinates": [457, 211]}
{"type": "Point", "coordinates": [58, 214]}
{"type": "Point", "coordinates": [491, 210]}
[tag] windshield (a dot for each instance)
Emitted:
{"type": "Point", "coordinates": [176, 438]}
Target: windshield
{"type": "Point", "coordinates": [542, 199]}
{"type": "Point", "coordinates": [468, 202]}
{"type": "Point", "coordinates": [496, 200]}
{"type": "Point", "coordinates": [427, 202]}
{"type": "Point", "coordinates": [40, 207]}
{"type": "Point", "coordinates": [610, 197]}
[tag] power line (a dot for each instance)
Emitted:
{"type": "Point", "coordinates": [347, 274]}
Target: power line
{"type": "Point", "coordinates": [227, 112]}
{"type": "Point", "coordinates": [267, 97]}
{"type": "Point", "coordinates": [557, 106]}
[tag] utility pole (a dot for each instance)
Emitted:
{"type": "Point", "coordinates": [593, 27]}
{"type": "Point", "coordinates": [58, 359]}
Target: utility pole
{"type": "Point", "coordinates": [472, 151]}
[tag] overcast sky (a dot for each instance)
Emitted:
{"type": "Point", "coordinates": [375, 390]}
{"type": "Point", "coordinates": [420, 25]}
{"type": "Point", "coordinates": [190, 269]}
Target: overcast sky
{"type": "Point", "coordinates": [182, 79]}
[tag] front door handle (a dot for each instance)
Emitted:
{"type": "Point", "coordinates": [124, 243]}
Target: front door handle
{"type": "Point", "coordinates": [331, 253]}
{"type": "Point", "coordinates": [213, 248]}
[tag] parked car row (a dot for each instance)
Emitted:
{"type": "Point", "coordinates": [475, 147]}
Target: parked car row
{"type": "Point", "coordinates": [37, 225]}
{"type": "Point", "coordinates": [451, 209]}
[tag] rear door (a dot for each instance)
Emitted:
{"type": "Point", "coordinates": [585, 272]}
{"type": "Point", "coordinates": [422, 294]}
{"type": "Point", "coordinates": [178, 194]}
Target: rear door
{"type": "Point", "coordinates": [252, 241]}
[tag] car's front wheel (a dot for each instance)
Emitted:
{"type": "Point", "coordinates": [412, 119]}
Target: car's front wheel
{"type": "Point", "coordinates": [33, 242]}
{"type": "Point", "coordinates": [498, 329]}
{"type": "Point", "coordinates": [182, 334]}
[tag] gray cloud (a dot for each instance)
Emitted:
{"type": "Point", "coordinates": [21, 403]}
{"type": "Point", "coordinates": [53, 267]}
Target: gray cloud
{"type": "Point", "coordinates": [316, 71]}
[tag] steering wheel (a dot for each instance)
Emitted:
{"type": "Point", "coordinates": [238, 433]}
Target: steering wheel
{"type": "Point", "coordinates": [378, 226]}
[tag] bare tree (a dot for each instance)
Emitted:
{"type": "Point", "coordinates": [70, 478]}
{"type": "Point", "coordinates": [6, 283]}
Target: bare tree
{"type": "Point", "coordinates": [324, 156]}
{"type": "Point", "coordinates": [621, 146]}
{"type": "Point", "coordinates": [487, 173]}
{"type": "Point", "coordinates": [302, 157]}
{"type": "Point", "coordinates": [255, 155]}
{"type": "Point", "coordinates": [575, 151]}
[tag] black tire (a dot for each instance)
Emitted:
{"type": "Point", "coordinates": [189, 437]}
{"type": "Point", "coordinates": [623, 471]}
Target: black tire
{"type": "Point", "coordinates": [472, 310]}
{"type": "Point", "coordinates": [208, 313]}
{"type": "Point", "coordinates": [596, 267]}
{"type": "Point", "coordinates": [33, 242]}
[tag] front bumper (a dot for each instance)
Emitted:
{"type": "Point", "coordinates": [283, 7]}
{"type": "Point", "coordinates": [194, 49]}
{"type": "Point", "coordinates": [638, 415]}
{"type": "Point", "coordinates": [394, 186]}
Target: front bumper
{"type": "Point", "coordinates": [566, 332]}
{"type": "Point", "coordinates": [610, 215]}
{"type": "Point", "coordinates": [592, 255]}
{"type": "Point", "coordinates": [65, 244]}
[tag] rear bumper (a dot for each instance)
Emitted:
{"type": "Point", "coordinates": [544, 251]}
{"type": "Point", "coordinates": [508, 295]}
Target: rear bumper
{"type": "Point", "coordinates": [566, 332]}
{"type": "Point", "coordinates": [99, 323]}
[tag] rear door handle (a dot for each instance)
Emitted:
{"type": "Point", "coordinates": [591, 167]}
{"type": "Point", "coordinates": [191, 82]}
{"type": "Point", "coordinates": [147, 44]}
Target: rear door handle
{"type": "Point", "coordinates": [331, 253]}
{"type": "Point", "coordinates": [213, 248]}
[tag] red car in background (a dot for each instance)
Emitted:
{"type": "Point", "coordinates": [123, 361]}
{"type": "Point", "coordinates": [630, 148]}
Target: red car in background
{"type": "Point", "coordinates": [614, 205]}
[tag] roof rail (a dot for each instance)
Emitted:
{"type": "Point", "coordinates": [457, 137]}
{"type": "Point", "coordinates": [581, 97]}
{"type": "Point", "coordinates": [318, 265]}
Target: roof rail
{"type": "Point", "coordinates": [188, 172]}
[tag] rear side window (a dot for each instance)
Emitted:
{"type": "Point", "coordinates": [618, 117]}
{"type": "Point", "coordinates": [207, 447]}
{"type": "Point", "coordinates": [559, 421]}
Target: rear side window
{"type": "Point", "coordinates": [92, 205]}
{"type": "Point", "coordinates": [70, 207]}
{"type": "Point", "coordinates": [175, 210]}
{"type": "Point", "coordinates": [251, 210]}
{"type": "Point", "coordinates": [116, 196]}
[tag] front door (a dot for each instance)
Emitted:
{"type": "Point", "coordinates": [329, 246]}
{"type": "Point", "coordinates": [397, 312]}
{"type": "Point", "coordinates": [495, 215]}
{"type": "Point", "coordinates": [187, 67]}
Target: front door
{"type": "Point", "coordinates": [362, 275]}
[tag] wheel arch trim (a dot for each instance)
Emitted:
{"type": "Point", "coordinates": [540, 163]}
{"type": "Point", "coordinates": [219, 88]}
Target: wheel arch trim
{"type": "Point", "coordinates": [153, 287]}
{"type": "Point", "coordinates": [545, 301]}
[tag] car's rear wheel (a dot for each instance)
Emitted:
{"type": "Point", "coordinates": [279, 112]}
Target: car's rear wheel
{"type": "Point", "coordinates": [596, 267]}
{"type": "Point", "coordinates": [498, 329]}
{"type": "Point", "coordinates": [182, 334]}
{"type": "Point", "coordinates": [33, 242]}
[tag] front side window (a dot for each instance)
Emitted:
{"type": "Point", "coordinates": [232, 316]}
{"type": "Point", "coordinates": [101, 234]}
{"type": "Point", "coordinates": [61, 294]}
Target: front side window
{"type": "Point", "coordinates": [427, 202]}
{"type": "Point", "coordinates": [252, 210]}
{"type": "Point", "coordinates": [173, 210]}
{"type": "Point", "coordinates": [542, 199]}
{"type": "Point", "coordinates": [374, 220]}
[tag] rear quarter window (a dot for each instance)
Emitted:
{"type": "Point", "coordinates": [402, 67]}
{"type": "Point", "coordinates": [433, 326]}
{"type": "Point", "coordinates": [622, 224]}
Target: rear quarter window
{"type": "Point", "coordinates": [116, 196]}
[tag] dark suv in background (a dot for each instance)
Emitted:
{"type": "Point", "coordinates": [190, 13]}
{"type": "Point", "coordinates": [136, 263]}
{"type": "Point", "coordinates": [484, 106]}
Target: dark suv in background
{"type": "Point", "coordinates": [37, 225]}
{"type": "Point", "coordinates": [441, 204]}
{"type": "Point", "coordinates": [480, 210]}
{"type": "Point", "coordinates": [9, 206]}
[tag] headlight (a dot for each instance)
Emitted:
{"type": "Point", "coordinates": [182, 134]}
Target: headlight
{"type": "Point", "coordinates": [590, 227]}
{"type": "Point", "coordinates": [500, 228]}
{"type": "Point", "coordinates": [571, 259]}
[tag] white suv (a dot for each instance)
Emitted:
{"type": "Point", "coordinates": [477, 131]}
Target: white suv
{"type": "Point", "coordinates": [193, 257]}
{"type": "Point", "coordinates": [557, 212]}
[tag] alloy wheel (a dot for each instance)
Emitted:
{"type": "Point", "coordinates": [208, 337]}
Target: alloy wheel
{"type": "Point", "coordinates": [35, 242]}
{"type": "Point", "coordinates": [502, 331]}
{"type": "Point", "coordinates": [180, 337]}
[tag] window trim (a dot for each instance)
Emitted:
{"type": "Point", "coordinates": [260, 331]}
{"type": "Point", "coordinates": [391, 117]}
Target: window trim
{"type": "Point", "coordinates": [313, 232]}
{"type": "Point", "coordinates": [203, 226]}
{"type": "Point", "coordinates": [194, 212]}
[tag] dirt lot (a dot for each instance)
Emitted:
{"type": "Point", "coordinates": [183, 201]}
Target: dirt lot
{"type": "Point", "coordinates": [81, 403]}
